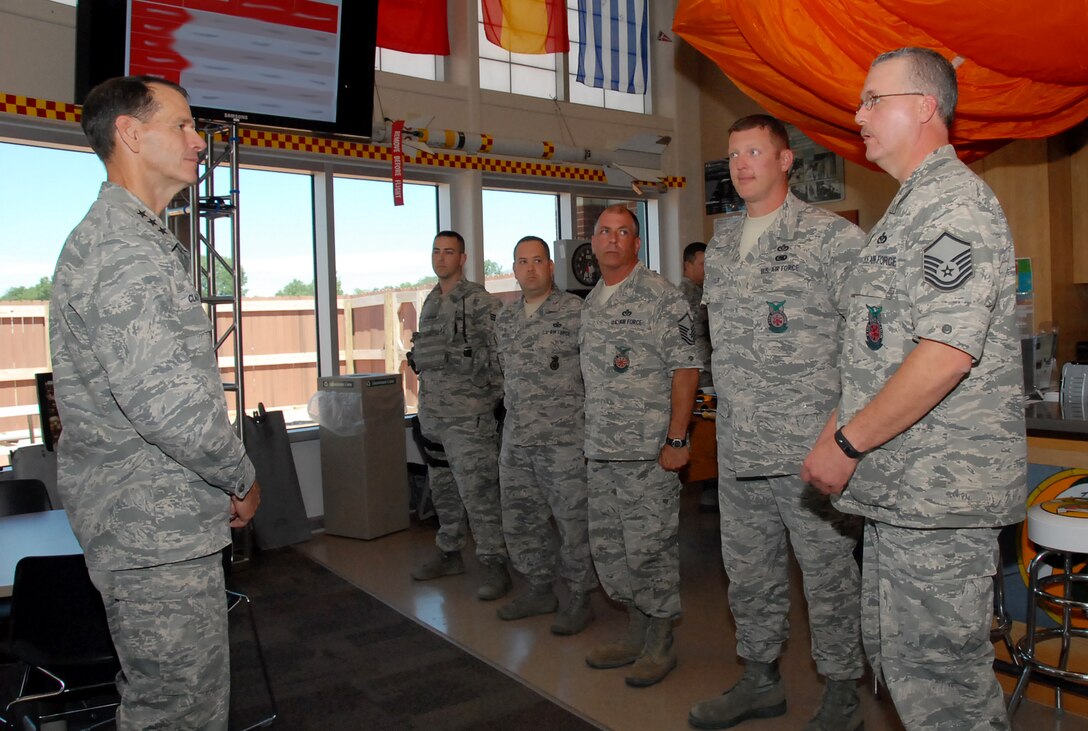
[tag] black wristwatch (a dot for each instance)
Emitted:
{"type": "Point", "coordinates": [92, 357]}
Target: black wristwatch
{"type": "Point", "coordinates": [676, 443]}
{"type": "Point", "coordinates": [846, 447]}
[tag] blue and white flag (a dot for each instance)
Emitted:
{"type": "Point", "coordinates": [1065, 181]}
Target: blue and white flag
{"type": "Point", "coordinates": [614, 45]}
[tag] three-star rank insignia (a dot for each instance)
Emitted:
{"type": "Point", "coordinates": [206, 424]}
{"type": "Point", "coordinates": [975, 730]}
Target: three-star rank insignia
{"type": "Point", "coordinates": [947, 262]}
{"type": "Point", "coordinates": [874, 330]}
{"type": "Point", "coordinates": [621, 362]}
{"type": "Point", "coordinates": [777, 320]}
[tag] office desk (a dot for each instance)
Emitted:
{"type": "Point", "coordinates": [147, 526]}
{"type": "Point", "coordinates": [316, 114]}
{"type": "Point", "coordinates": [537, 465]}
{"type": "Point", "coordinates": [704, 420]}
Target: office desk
{"type": "Point", "coordinates": [33, 534]}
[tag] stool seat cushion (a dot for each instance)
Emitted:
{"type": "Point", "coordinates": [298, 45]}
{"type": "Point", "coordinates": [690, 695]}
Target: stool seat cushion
{"type": "Point", "coordinates": [1060, 524]}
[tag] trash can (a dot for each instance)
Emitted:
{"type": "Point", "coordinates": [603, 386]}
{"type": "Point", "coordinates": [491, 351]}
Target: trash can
{"type": "Point", "coordinates": [363, 475]}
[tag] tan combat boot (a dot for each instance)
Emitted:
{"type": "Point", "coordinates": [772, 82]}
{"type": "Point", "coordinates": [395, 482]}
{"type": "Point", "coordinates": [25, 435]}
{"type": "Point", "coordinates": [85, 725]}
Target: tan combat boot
{"type": "Point", "coordinates": [657, 659]}
{"type": "Point", "coordinates": [624, 650]}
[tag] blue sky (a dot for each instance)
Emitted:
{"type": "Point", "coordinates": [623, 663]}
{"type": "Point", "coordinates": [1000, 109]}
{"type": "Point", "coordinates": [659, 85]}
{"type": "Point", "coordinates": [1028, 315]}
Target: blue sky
{"type": "Point", "coordinates": [44, 193]}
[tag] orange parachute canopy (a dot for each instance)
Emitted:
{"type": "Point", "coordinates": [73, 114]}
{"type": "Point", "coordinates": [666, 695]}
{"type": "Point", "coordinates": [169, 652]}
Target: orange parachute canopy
{"type": "Point", "coordinates": [1022, 67]}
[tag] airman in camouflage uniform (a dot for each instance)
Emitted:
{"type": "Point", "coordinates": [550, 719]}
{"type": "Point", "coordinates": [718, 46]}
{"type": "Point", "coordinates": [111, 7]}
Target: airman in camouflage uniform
{"type": "Point", "coordinates": [149, 469]}
{"type": "Point", "coordinates": [776, 330]}
{"type": "Point", "coordinates": [640, 366]}
{"type": "Point", "coordinates": [542, 469]}
{"type": "Point", "coordinates": [691, 286]}
{"type": "Point", "coordinates": [460, 384]}
{"type": "Point", "coordinates": [930, 446]}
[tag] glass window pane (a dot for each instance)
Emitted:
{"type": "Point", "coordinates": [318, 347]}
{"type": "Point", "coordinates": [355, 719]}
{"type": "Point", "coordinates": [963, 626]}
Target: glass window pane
{"type": "Point", "coordinates": [536, 60]}
{"type": "Point", "coordinates": [40, 205]}
{"type": "Point", "coordinates": [532, 82]}
{"type": "Point", "coordinates": [582, 94]}
{"type": "Point", "coordinates": [489, 49]}
{"type": "Point", "coordinates": [419, 65]}
{"type": "Point", "coordinates": [508, 216]}
{"type": "Point", "coordinates": [625, 102]}
{"type": "Point", "coordinates": [494, 75]}
{"type": "Point", "coordinates": [383, 273]}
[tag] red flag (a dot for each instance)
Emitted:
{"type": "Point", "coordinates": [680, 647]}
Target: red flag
{"type": "Point", "coordinates": [527, 26]}
{"type": "Point", "coordinates": [413, 26]}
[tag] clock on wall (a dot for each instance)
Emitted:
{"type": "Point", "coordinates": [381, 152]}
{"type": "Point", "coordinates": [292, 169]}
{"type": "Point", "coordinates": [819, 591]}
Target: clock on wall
{"type": "Point", "coordinates": [583, 265]}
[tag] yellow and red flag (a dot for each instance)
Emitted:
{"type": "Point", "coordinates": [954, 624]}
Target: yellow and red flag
{"type": "Point", "coordinates": [527, 26]}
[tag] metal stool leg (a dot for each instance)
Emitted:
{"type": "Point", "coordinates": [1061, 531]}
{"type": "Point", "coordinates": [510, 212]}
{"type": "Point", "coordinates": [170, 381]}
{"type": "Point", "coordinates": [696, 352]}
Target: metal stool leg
{"type": "Point", "coordinates": [1026, 647]}
{"type": "Point", "coordinates": [235, 598]}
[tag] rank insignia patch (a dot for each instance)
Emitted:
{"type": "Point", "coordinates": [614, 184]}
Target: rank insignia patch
{"type": "Point", "coordinates": [621, 362]}
{"type": "Point", "coordinates": [687, 329]}
{"type": "Point", "coordinates": [777, 321]}
{"type": "Point", "coordinates": [874, 330]}
{"type": "Point", "coordinates": [947, 262]}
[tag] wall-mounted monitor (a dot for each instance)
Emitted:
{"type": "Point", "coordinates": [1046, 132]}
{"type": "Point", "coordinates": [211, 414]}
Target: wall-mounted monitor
{"type": "Point", "coordinates": [299, 64]}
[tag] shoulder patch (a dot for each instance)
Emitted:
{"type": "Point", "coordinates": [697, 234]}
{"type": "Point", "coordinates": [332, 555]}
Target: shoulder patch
{"type": "Point", "coordinates": [947, 262]}
{"type": "Point", "coordinates": [685, 326]}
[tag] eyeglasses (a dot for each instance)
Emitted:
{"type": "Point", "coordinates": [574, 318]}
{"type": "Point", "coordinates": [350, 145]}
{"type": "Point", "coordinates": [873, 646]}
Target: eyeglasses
{"type": "Point", "coordinates": [873, 100]}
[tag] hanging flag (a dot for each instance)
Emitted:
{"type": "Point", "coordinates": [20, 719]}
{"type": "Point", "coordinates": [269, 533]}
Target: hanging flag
{"type": "Point", "coordinates": [527, 26]}
{"type": "Point", "coordinates": [413, 26]}
{"type": "Point", "coordinates": [615, 46]}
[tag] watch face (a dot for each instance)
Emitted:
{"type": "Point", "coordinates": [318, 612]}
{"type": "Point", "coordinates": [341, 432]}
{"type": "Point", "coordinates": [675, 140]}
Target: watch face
{"type": "Point", "coordinates": [584, 265]}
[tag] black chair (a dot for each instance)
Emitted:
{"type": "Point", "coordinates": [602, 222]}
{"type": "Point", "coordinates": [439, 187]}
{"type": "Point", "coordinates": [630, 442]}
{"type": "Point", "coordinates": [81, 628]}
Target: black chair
{"type": "Point", "coordinates": [59, 631]}
{"type": "Point", "coordinates": [18, 497]}
{"type": "Point", "coordinates": [23, 496]}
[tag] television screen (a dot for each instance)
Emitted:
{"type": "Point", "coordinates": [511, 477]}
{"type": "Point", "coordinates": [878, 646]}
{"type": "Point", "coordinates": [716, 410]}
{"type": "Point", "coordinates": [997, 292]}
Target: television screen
{"type": "Point", "coordinates": [300, 64]}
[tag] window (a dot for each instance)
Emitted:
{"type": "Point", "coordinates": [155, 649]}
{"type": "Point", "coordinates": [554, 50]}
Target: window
{"type": "Point", "coordinates": [518, 73]}
{"type": "Point", "coordinates": [39, 206]}
{"type": "Point", "coordinates": [543, 75]}
{"type": "Point", "coordinates": [419, 65]}
{"type": "Point", "coordinates": [279, 331]}
{"type": "Point", "coordinates": [509, 215]}
{"type": "Point", "coordinates": [383, 273]}
{"type": "Point", "coordinates": [579, 93]}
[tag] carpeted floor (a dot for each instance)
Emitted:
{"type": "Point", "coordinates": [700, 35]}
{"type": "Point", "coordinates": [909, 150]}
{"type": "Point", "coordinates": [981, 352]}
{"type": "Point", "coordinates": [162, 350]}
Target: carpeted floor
{"type": "Point", "coordinates": [341, 659]}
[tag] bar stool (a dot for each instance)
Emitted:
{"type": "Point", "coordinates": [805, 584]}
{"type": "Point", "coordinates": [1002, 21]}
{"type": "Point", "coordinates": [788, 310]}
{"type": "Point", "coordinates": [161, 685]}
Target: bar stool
{"type": "Point", "coordinates": [1060, 529]}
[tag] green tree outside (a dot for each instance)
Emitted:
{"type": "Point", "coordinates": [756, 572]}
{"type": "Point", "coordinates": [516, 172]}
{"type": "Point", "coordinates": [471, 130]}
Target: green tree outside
{"type": "Point", "coordinates": [40, 291]}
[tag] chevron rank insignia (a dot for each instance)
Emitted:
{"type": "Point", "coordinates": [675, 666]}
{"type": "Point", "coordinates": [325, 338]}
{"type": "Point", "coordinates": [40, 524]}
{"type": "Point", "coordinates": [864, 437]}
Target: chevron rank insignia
{"type": "Point", "coordinates": [947, 262]}
{"type": "Point", "coordinates": [687, 329]}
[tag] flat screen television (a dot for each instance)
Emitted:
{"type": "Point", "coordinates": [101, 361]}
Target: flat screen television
{"type": "Point", "coordinates": [299, 64]}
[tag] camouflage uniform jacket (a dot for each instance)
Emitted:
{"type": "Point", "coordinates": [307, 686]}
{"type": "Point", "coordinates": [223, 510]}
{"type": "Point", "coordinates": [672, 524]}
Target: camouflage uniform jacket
{"type": "Point", "coordinates": [545, 399]}
{"type": "Point", "coordinates": [939, 265]}
{"type": "Point", "coordinates": [147, 457]}
{"type": "Point", "coordinates": [693, 293]}
{"type": "Point", "coordinates": [629, 348]}
{"type": "Point", "coordinates": [776, 327]}
{"type": "Point", "coordinates": [454, 351]}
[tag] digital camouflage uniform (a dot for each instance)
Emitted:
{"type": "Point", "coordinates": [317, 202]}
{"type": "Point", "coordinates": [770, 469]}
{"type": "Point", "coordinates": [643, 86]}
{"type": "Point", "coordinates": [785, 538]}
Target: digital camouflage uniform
{"type": "Point", "coordinates": [541, 465]}
{"type": "Point", "coordinates": [693, 294]}
{"type": "Point", "coordinates": [776, 328]}
{"type": "Point", "coordinates": [147, 460]}
{"type": "Point", "coordinates": [459, 386]}
{"type": "Point", "coordinates": [629, 348]}
{"type": "Point", "coordinates": [939, 265]}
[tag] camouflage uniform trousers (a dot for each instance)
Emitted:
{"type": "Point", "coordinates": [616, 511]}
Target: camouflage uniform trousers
{"type": "Point", "coordinates": [169, 626]}
{"type": "Point", "coordinates": [758, 515]}
{"type": "Point", "coordinates": [927, 607]}
{"type": "Point", "coordinates": [540, 482]}
{"type": "Point", "coordinates": [466, 494]}
{"type": "Point", "coordinates": [634, 517]}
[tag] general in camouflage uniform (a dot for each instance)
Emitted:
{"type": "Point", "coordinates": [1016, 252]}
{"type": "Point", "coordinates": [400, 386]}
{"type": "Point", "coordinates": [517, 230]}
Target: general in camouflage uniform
{"type": "Point", "coordinates": [460, 384]}
{"type": "Point", "coordinates": [776, 329]}
{"type": "Point", "coordinates": [931, 342]}
{"type": "Point", "coordinates": [638, 359]}
{"type": "Point", "coordinates": [149, 469]}
{"type": "Point", "coordinates": [542, 469]}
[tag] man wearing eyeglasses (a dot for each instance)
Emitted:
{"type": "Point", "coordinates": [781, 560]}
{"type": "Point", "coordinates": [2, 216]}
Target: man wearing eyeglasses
{"type": "Point", "coordinates": [928, 442]}
{"type": "Point", "coordinates": [772, 277]}
{"type": "Point", "coordinates": [640, 365]}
